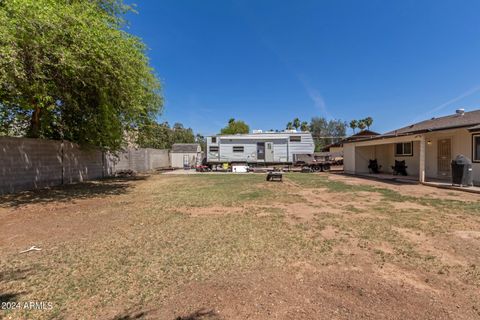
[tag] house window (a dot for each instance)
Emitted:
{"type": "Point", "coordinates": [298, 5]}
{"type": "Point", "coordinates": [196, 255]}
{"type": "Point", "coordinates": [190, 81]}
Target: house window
{"type": "Point", "coordinates": [404, 149]}
{"type": "Point", "coordinates": [295, 138]}
{"type": "Point", "coordinates": [238, 149]}
{"type": "Point", "coordinates": [213, 149]}
{"type": "Point", "coordinates": [214, 139]}
{"type": "Point", "coordinates": [476, 148]}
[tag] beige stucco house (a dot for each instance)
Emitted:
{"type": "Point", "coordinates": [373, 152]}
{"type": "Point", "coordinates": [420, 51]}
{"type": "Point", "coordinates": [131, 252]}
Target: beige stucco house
{"type": "Point", "coordinates": [427, 147]}
{"type": "Point", "coordinates": [185, 155]}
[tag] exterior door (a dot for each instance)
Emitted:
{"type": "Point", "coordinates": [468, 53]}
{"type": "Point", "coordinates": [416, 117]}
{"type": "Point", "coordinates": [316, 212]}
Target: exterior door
{"type": "Point", "coordinates": [444, 157]}
{"type": "Point", "coordinates": [260, 150]}
{"type": "Point", "coordinates": [268, 151]}
{"type": "Point", "coordinates": [186, 161]}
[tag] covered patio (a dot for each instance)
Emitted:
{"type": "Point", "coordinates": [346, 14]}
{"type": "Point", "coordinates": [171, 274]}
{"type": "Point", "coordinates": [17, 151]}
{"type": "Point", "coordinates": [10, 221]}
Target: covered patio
{"type": "Point", "coordinates": [409, 148]}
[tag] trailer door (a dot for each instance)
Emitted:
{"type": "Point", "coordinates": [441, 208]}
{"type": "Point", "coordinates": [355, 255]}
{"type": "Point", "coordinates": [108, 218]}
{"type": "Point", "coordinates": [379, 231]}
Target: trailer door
{"type": "Point", "coordinates": [260, 150]}
{"type": "Point", "coordinates": [268, 151]}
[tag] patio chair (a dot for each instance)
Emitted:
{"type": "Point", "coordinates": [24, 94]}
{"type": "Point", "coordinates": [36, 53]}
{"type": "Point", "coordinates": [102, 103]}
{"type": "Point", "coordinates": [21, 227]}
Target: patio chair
{"type": "Point", "coordinates": [400, 168]}
{"type": "Point", "coordinates": [373, 166]}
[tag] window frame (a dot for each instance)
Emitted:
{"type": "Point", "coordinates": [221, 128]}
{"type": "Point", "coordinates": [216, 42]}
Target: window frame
{"type": "Point", "coordinates": [403, 154]}
{"type": "Point", "coordinates": [237, 151]}
{"type": "Point", "coordinates": [214, 139]}
{"type": "Point", "coordinates": [474, 147]}
{"type": "Point", "coordinates": [290, 139]}
{"type": "Point", "coordinates": [214, 147]}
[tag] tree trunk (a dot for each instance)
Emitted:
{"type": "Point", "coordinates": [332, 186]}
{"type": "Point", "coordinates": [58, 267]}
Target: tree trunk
{"type": "Point", "coordinates": [34, 131]}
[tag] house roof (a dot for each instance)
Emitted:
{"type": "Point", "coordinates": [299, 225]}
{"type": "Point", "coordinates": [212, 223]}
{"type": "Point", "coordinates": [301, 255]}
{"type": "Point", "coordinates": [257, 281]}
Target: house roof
{"type": "Point", "coordinates": [185, 147]}
{"type": "Point", "coordinates": [469, 120]}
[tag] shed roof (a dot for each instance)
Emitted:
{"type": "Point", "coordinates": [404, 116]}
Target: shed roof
{"type": "Point", "coordinates": [185, 147]}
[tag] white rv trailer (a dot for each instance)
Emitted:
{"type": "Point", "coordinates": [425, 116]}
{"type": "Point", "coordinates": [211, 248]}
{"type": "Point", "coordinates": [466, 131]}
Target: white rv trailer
{"type": "Point", "coordinates": [259, 147]}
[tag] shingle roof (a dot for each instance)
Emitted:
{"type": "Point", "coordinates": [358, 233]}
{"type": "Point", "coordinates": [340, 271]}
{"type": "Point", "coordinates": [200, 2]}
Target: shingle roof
{"type": "Point", "coordinates": [185, 147]}
{"type": "Point", "coordinates": [362, 134]}
{"type": "Point", "coordinates": [468, 119]}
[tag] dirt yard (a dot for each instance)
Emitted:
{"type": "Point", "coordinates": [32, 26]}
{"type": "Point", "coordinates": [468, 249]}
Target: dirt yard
{"type": "Point", "coordinates": [222, 246]}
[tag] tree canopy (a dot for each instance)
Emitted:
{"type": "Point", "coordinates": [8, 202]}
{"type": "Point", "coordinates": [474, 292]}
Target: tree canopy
{"type": "Point", "coordinates": [69, 70]}
{"type": "Point", "coordinates": [361, 124]}
{"type": "Point", "coordinates": [326, 131]}
{"type": "Point", "coordinates": [162, 136]}
{"type": "Point", "coordinates": [235, 126]}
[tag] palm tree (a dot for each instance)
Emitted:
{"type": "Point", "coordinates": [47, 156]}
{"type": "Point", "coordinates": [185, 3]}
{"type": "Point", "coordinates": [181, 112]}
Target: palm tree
{"type": "Point", "coordinates": [304, 126]}
{"type": "Point", "coordinates": [289, 125]}
{"type": "Point", "coordinates": [354, 125]}
{"type": "Point", "coordinates": [296, 123]}
{"type": "Point", "coordinates": [231, 120]}
{"type": "Point", "coordinates": [362, 125]}
{"type": "Point", "coordinates": [368, 122]}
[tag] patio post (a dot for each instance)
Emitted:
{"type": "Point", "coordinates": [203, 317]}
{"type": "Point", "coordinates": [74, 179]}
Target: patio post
{"type": "Point", "coordinates": [421, 175]}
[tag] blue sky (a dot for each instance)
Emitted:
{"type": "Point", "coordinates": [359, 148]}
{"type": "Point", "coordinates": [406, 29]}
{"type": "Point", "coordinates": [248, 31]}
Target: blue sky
{"type": "Point", "coordinates": [266, 61]}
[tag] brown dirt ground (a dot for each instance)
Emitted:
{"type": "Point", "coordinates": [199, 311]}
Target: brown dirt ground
{"type": "Point", "coordinates": [361, 278]}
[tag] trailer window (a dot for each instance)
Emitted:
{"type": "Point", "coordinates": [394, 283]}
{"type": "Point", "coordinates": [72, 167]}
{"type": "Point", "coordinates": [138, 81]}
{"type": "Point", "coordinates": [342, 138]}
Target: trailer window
{"type": "Point", "coordinates": [214, 139]}
{"type": "Point", "coordinates": [404, 149]}
{"type": "Point", "coordinates": [238, 149]}
{"type": "Point", "coordinates": [295, 138]}
{"type": "Point", "coordinates": [213, 149]}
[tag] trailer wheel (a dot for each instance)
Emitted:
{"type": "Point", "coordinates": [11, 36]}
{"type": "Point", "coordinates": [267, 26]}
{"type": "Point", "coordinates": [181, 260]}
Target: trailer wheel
{"type": "Point", "coordinates": [325, 167]}
{"type": "Point", "coordinates": [316, 168]}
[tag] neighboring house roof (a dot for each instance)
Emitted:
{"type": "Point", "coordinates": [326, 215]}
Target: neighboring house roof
{"type": "Point", "coordinates": [364, 134]}
{"type": "Point", "coordinates": [469, 120]}
{"type": "Point", "coordinates": [185, 148]}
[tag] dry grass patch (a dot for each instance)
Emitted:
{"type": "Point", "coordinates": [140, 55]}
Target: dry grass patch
{"type": "Point", "coordinates": [232, 246]}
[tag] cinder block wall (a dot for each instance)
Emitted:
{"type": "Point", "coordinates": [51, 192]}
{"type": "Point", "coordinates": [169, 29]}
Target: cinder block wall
{"type": "Point", "coordinates": [158, 158]}
{"type": "Point", "coordinates": [140, 160]}
{"type": "Point", "coordinates": [27, 164]}
{"type": "Point", "coordinates": [81, 164]}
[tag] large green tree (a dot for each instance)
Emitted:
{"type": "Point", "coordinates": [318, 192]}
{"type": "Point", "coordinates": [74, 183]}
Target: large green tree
{"type": "Point", "coordinates": [69, 70]}
{"type": "Point", "coordinates": [235, 126]}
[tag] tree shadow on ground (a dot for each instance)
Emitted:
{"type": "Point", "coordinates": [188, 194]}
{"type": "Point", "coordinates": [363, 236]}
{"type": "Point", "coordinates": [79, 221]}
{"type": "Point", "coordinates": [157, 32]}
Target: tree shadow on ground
{"type": "Point", "coordinates": [131, 316]}
{"type": "Point", "coordinates": [14, 275]}
{"type": "Point", "coordinates": [7, 276]}
{"type": "Point", "coordinates": [71, 192]}
{"type": "Point", "coordinates": [9, 297]}
{"type": "Point", "coordinates": [201, 314]}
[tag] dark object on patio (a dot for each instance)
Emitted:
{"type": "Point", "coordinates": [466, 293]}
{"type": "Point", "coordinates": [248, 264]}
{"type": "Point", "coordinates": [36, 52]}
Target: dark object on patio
{"type": "Point", "coordinates": [400, 168]}
{"type": "Point", "coordinates": [373, 166]}
{"type": "Point", "coordinates": [275, 176]}
{"type": "Point", "coordinates": [462, 171]}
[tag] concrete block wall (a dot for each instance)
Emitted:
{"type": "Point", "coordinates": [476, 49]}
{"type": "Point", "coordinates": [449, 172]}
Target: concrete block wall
{"type": "Point", "coordinates": [81, 164]}
{"type": "Point", "coordinates": [140, 160]}
{"type": "Point", "coordinates": [158, 158]}
{"type": "Point", "coordinates": [27, 164]}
